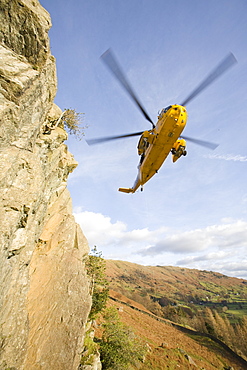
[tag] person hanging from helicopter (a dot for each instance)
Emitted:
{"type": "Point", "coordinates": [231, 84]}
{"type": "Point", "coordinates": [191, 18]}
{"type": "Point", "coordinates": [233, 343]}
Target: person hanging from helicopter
{"type": "Point", "coordinates": [143, 144]}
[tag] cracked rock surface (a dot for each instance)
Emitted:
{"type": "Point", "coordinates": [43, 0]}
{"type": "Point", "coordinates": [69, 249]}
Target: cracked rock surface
{"type": "Point", "coordinates": [44, 300]}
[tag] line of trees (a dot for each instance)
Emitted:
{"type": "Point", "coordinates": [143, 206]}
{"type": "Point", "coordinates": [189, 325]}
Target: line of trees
{"type": "Point", "coordinates": [210, 321]}
{"type": "Point", "coordinates": [205, 320]}
{"type": "Point", "coordinates": [119, 347]}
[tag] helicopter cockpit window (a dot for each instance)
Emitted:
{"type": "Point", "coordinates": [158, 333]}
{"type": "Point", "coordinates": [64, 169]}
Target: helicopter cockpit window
{"type": "Point", "coordinates": [167, 108]}
{"type": "Point", "coordinates": [164, 110]}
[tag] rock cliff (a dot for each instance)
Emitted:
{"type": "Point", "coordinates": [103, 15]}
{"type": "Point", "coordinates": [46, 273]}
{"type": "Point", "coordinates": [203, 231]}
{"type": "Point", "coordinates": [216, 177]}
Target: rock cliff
{"type": "Point", "coordinates": [45, 297]}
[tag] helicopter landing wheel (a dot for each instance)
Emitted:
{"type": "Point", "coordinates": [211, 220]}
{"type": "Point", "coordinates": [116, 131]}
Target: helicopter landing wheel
{"type": "Point", "coordinates": [142, 188]}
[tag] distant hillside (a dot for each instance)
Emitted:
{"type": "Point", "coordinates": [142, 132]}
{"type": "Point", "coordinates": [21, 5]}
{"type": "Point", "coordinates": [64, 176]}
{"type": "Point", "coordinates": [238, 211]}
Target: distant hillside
{"type": "Point", "coordinates": [206, 302]}
{"type": "Point", "coordinates": [175, 284]}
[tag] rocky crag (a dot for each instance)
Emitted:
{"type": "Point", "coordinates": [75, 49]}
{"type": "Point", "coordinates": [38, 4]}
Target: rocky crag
{"type": "Point", "coordinates": [45, 297]}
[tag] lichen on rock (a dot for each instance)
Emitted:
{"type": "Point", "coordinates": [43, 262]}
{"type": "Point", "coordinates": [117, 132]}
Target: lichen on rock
{"type": "Point", "coordinates": [45, 297]}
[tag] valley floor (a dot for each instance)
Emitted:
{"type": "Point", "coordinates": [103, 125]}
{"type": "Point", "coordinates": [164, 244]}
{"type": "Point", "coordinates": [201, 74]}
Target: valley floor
{"type": "Point", "coordinates": [172, 348]}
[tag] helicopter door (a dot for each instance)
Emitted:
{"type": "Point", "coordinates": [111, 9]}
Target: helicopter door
{"type": "Point", "coordinates": [143, 143]}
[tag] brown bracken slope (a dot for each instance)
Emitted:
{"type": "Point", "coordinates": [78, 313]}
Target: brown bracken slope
{"type": "Point", "coordinates": [171, 347]}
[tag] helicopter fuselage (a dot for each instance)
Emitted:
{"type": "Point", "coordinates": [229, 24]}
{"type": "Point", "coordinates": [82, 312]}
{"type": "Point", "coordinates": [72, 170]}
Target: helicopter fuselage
{"type": "Point", "coordinates": [155, 145]}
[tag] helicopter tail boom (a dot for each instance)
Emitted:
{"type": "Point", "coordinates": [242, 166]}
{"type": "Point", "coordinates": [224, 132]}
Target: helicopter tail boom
{"type": "Point", "coordinates": [125, 190]}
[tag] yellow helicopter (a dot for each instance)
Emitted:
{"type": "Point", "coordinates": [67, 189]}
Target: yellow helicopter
{"type": "Point", "coordinates": [165, 136]}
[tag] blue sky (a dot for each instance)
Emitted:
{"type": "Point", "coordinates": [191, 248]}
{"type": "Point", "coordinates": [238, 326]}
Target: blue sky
{"type": "Point", "coordinates": [192, 213]}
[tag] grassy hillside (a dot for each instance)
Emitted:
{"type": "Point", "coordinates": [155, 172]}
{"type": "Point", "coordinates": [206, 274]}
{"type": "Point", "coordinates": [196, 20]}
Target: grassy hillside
{"type": "Point", "coordinates": [175, 285]}
{"type": "Point", "coordinates": [208, 306]}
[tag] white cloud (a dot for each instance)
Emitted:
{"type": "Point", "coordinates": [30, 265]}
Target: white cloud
{"type": "Point", "coordinates": [231, 263]}
{"type": "Point", "coordinates": [178, 243]}
{"type": "Point", "coordinates": [219, 240]}
{"type": "Point", "coordinates": [217, 236]}
{"type": "Point", "coordinates": [228, 157]}
{"type": "Point", "coordinates": [236, 268]}
{"type": "Point", "coordinates": [217, 247]}
{"type": "Point", "coordinates": [212, 256]}
{"type": "Point", "coordinates": [98, 229]}
{"type": "Point", "coordinates": [101, 231]}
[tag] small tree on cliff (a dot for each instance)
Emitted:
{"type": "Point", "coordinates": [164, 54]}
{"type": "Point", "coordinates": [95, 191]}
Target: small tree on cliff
{"type": "Point", "coordinates": [119, 347]}
{"type": "Point", "coordinates": [95, 266]}
{"type": "Point", "coordinates": [73, 122]}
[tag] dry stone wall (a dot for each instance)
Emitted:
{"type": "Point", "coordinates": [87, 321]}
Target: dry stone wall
{"type": "Point", "coordinates": [44, 299]}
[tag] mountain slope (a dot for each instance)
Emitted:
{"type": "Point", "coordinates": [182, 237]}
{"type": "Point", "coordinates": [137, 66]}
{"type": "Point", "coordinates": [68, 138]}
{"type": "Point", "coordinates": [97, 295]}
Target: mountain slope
{"type": "Point", "coordinates": [187, 310]}
{"type": "Point", "coordinates": [169, 347]}
{"type": "Point", "coordinates": [175, 283]}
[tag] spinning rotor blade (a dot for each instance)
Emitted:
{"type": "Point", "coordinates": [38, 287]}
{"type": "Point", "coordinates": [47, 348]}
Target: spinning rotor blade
{"type": "Point", "coordinates": [207, 144]}
{"type": "Point", "coordinates": [114, 67]}
{"type": "Point", "coordinates": [109, 138]}
{"type": "Point", "coordinates": [217, 72]}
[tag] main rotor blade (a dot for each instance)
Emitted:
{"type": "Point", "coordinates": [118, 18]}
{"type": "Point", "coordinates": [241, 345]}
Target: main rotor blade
{"type": "Point", "coordinates": [114, 67]}
{"type": "Point", "coordinates": [109, 138]}
{"type": "Point", "coordinates": [207, 144]}
{"type": "Point", "coordinates": [217, 72]}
